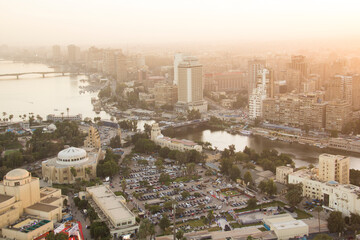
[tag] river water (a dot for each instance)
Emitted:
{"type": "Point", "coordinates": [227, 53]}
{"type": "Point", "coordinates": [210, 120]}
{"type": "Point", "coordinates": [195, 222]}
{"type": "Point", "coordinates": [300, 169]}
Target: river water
{"type": "Point", "coordinates": [302, 155]}
{"type": "Point", "coordinates": [43, 96]}
{"type": "Point", "coordinates": [52, 95]}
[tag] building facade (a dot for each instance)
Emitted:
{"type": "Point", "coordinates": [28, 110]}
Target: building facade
{"type": "Point", "coordinates": [190, 86]}
{"type": "Point", "coordinates": [71, 164]}
{"type": "Point", "coordinates": [172, 143]}
{"type": "Point", "coordinates": [334, 168]}
{"type": "Point", "coordinates": [338, 113]}
{"type": "Point", "coordinates": [258, 95]}
{"type": "Point", "coordinates": [93, 139]}
{"type": "Point", "coordinates": [282, 173]}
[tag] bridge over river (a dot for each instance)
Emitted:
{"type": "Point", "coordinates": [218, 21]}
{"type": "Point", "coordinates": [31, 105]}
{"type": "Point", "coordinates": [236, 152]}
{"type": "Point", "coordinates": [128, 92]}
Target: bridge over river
{"type": "Point", "coordinates": [17, 75]}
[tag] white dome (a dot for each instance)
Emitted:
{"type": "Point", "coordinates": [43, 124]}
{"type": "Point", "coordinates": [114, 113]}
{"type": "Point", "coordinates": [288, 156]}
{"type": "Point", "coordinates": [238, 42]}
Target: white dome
{"type": "Point", "coordinates": [17, 174]}
{"type": "Point", "coordinates": [71, 154]}
{"type": "Point", "coordinates": [51, 127]}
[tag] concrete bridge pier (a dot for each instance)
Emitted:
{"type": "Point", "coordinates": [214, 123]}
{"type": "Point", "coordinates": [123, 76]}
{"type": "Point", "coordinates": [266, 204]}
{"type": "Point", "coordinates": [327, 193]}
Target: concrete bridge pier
{"type": "Point", "coordinates": [43, 75]}
{"type": "Point", "coordinates": [63, 74]}
{"type": "Point", "coordinates": [17, 76]}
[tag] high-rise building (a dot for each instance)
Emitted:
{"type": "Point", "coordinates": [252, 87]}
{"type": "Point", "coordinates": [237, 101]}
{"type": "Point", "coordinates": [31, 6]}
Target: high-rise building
{"type": "Point", "coordinates": [73, 53]}
{"type": "Point", "coordinates": [334, 168]}
{"type": "Point", "coordinates": [121, 67]}
{"type": "Point", "coordinates": [165, 94]}
{"type": "Point", "coordinates": [253, 68]}
{"type": "Point", "coordinates": [178, 58]}
{"type": "Point", "coordinates": [258, 94]}
{"type": "Point", "coordinates": [109, 62]}
{"type": "Point", "coordinates": [356, 92]}
{"type": "Point", "coordinates": [56, 53]}
{"type": "Point", "coordinates": [93, 139]}
{"type": "Point", "coordinates": [340, 88]}
{"type": "Point", "coordinates": [299, 63]}
{"type": "Point", "coordinates": [338, 113]}
{"type": "Point", "coordinates": [190, 86]}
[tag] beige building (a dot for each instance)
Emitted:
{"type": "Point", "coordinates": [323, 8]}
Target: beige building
{"type": "Point", "coordinates": [165, 93]}
{"type": "Point", "coordinates": [27, 229]}
{"type": "Point", "coordinates": [172, 143]}
{"type": "Point", "coordinates": [112, 209]}
{"type": "Point", "coordinates": [190, 86]}
{"type": "Point", "coordinates": [285, 226]}
{"type": "Point", "coordinates": [58, 169]}
{"type": "Point", "coordinates": [337, 115]}
{"type": "Point", "coordinates": [282, 174]}
{"type": "Point", "coordinates": [334, 168]}
{"type": "Point", "coordinates": [20, 193]}
{"type": "Point", "coordinates": [93, 139]}
{"type": "Point", "coordinates": [336, 197]}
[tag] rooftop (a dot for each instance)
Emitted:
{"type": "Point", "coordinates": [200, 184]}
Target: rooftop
{"type": "Point", "coordinates": [110, 203]}
{"type": "Point", "coordinates": [42, 207]}
{"type": "Point", "coordinates": [50, 200]}
{"type": "Point", "coordinates": [17, 174]}
{"type": "Point", "coordinates": [4, 198]}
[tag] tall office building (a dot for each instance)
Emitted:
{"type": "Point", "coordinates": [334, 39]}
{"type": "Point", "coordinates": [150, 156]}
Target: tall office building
{"type": "Point", "coordinates": [121, 67]}
{"type": "Point", "coordinates": [253, 68]}
{"type": "Point", "coordinates": [340, 88]}
{"type": "Point", "coordinates": [190, 86]}
{"type": "Point", "coordinates": [178, 58]}
{"type": "Point", "coordinates": [334, 168]}
{"type": "Point", "coordinates": [56, 53]}
{"type": "Point", "coordinates": [258, 94]}
{"type": "Point", "coordinates": [356, 92]}
{"type": "Point", "coordinates": [73, 53]}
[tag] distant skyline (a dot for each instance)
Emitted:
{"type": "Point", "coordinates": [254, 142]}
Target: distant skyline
{"type": "Point", "coordinates": [113, 22]}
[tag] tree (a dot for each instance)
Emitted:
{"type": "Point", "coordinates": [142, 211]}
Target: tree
{"type": "Point", "coordinates": [318, 209]}
{"type": "Point", "coordinates": [232, 149]}
{"type": "Point", "coordinates": [144, 229]}
{"type": "Point", "coordinates": [235, 173]}
{"type": "Point", "coordinates": [147, 129]}
{"type": "Point", "coordinates": [193, 114]}
{"type": "Point", "coordinates": [179, 234]}
{"type": "Point", "coordinates": [248, 178]}
{"type": "Point", "coordinates": [210, 217]}
{"type": "Point", "coordinates": [115, 142]}
{"type": "Point", "coordinates": [123, 185]}
{"type": "Point", "coordinates": [336, 223]}
{"type": "Point", "coordinates": [58, 236]}
{"type": "Point", "coordinates": [73, 172]}
{"type": "Point", "coordinates": [190, 169]}
{"type": "Point", "coordinates": [164, 222]}
{"type": "Point", "coordinates": [294, 194]}
{"type": "Point", "coordinates": [87, 171]}
{"type": "Point", "coordinates": [99, 230]}
{"type": "Point", "coordinates": [164, 178]}
{"type": "Point", "coordinates": [65, 202]}
{"type": "Point", "coordinates": [322, 237]}
{"type": "Point", "coordinates": [251, 203]}
{"type": "Point", "coordinates": [225, 165]}
{"type": "Point", "coordinates": [185, 194]}
{"type": "Point", "coordinates": [159, 164]}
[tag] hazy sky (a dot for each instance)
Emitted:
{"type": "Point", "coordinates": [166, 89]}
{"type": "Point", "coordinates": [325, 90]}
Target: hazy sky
{"type": "Point", "coordinates": [47, 22]}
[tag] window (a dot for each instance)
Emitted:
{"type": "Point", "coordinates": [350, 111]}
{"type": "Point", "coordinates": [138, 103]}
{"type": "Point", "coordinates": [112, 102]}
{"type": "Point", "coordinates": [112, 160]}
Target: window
{"type": "Point", "coordinates": [124, 223]}
{"type": "Point", "coordinates": [17, 183]}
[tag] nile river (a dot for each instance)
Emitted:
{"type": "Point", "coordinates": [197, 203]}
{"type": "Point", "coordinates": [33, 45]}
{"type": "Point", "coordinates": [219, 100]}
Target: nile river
{"type": "Point", "coordinates": [43, 96]}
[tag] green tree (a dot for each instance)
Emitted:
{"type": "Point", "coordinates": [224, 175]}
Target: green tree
{"type": "Point", "coordinates": [115, 142]}
{"type": "Point", "coordinates": [144, 229]}
{"type": "Point", "coordinates": [336, 223]}
{"type": "Point", "coordinates": [322, 236]}
{"type": "Point", "coordinates": [225, 165]}
{"type": "Point", "coordinates": [185, 194]}
{"type": "Point", "coordinates": [164, 222]}
{"type": "Point", "coordinates": [190, 169]}
{"type": "Point", "coordinates": [123, 185]}
{"type": "Point", "coordinates": [99, 230]}
{"type": "Point", "coordinates": [164, 178]}
{"type": "Point", "coordinates": [193, 114]}
{"type": "Point", "coordinates": [232, 150]}
{"type": "Point", "coordinates": [179, 234]}
{"type": "Point", "coordinates": [235, 173]}
{"type": "Point", "coordinates": [73, 172]}
{"type": "Point", "coordinates": [251, 203]}
{"type": "Point", "coordinates": [248, 178]}
{"type": "Point", "coordinates": [59, 236]}
{"type": "Point", "coordinates": [318, 209]}
{"type": "Point", "coordinates": [294, 194]}
{"type": "Point", "coordinates": [159, 164]}
{"type": "Point", "coordinates": [210, 217]}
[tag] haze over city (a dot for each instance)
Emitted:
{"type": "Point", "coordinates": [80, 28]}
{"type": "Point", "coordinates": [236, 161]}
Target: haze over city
{"type": "Point", "coordinates": [175, 120]}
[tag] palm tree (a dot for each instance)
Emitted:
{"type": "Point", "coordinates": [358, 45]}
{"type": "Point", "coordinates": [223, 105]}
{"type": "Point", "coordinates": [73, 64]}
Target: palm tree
{"type": "Point", "coordinates": [62, 116]}
{"type": "Point", "coordinates": [123, 185]}
{"type": "Point", "coordinates": [4, 114]}
{"type": "Point", "coordinates": [11, 117]}
{"type": "Point", "coordinates": [318, 209]}
{"type": "Point", "coordinates": [87, 171]}
{"type": "Point", "coordinates": [67, 109]}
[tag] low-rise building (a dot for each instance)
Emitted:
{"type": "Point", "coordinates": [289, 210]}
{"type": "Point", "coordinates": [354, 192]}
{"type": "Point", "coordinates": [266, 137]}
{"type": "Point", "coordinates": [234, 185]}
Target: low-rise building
{"type": "Point", "coordinates": [20, 193]}
{"type": "Point", "coordinates": [282, 174]}
{"type": "Point", "coordinates": [112, 209]}
{"type": "Point", "coordinates": [27, 229]}
{"type": "Point", "coordinates": [54, 118]}
{"type": "Point", "coordinates": [285, 226]}
{"type": "Point", "coordinates": [59, 169]}
{"type": "Point", "coordinates": [337, 197]}
{"type": "Point", "coordinates": [172, 143]}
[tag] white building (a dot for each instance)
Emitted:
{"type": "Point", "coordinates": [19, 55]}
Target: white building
{"type": "Point", "coordinates": [285, 226]}
{"type": "Point", "coordinates": [178, 58]}
{"type": "Point", "coordinates": [111, 208]}
{"type": "Point", "coordinates": [172, 143]}
{"type": "Point", "coordinates": [344, 198]}
{"type": "Point", "coordinates": [190, 86]}
{"type": "Point", "coordinates": [282, 173]}
{"type": "Point", "coordinates": [258, 95]}
{"type": "Point", "coordinates": [334, 168]}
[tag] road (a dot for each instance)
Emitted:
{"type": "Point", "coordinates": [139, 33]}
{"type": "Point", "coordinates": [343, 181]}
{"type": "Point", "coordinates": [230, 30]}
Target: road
{"type": "Point", "coordinates": [77, 215]}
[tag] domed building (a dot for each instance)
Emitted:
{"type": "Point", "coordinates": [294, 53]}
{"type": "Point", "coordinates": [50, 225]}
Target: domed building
{"type": "Point", "coordinates": [20, 194]}
{"type": "Point", "coordinates": [70, 164]}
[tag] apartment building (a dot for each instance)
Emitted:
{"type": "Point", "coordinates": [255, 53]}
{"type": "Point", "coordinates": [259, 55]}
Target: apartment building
{"type": "Point", "coordinates": [334, 168]}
